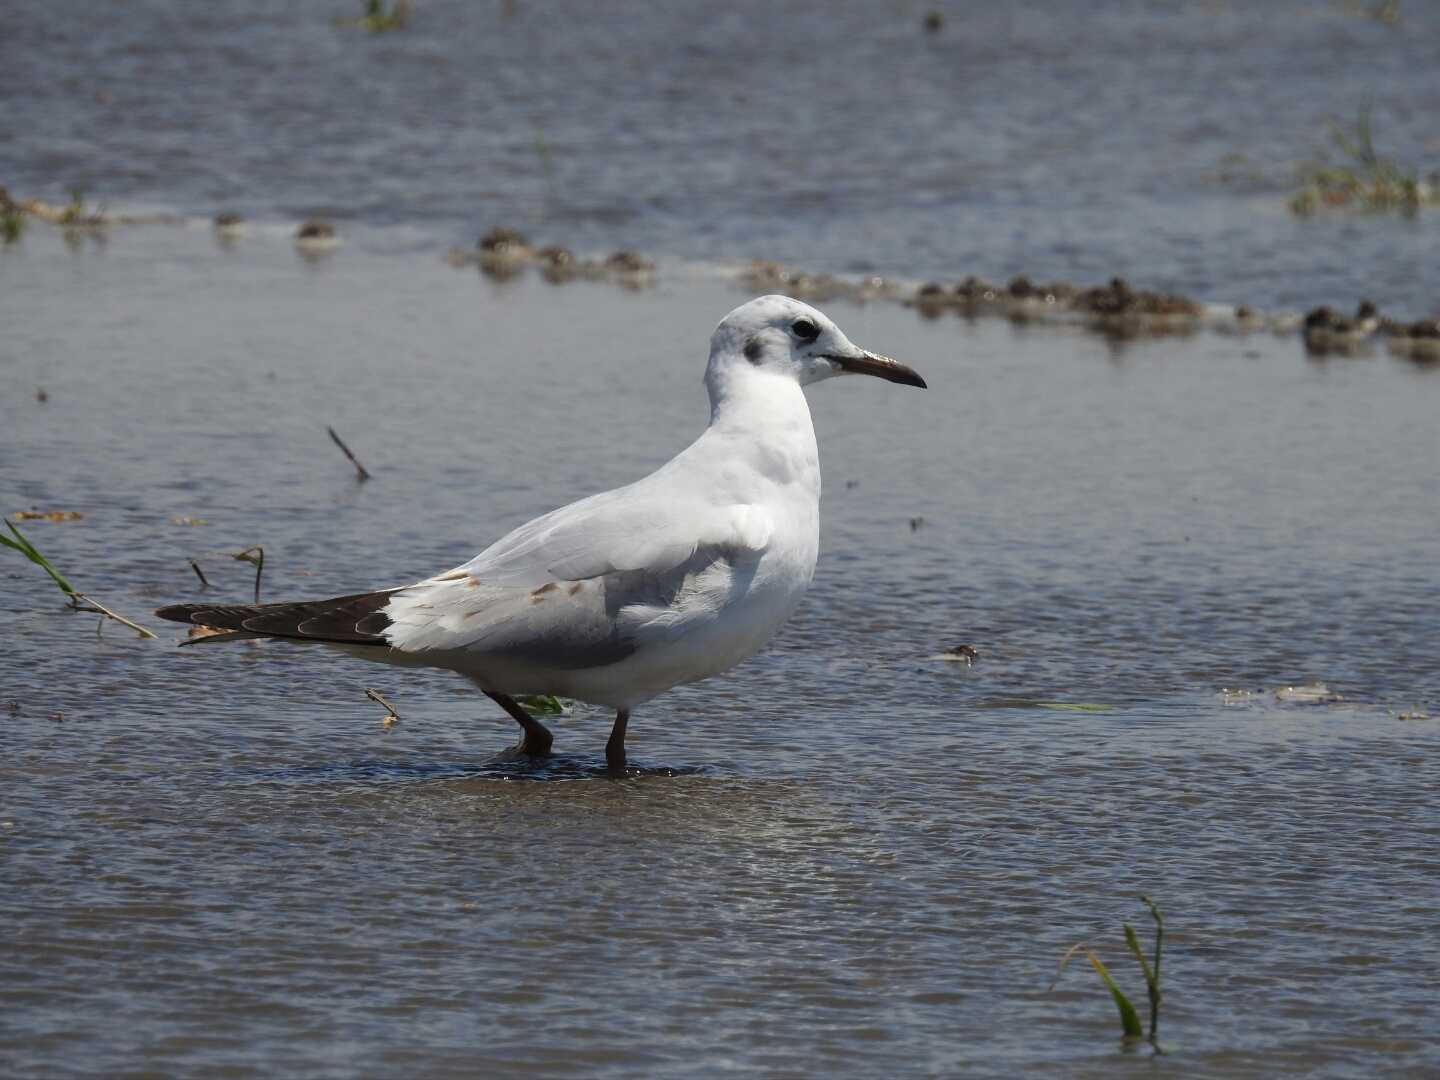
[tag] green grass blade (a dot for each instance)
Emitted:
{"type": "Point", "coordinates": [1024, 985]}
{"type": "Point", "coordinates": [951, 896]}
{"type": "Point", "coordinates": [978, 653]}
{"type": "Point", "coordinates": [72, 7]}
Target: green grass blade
{"type": "Point", "coordinates": [542, 704]}
{"type": "Point", "coordinates": [1129, 1018]}
{"type": "Point", "coordinates": [1134, 943]}
{"type": "Point", "coordinates": [27, 549]}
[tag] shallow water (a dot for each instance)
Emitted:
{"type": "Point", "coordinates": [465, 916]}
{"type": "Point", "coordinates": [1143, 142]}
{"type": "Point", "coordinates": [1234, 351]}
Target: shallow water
{"type": "Point", "coordinates": [847, 857]}
{"type": "Point", "coordinates": [1064, 138]}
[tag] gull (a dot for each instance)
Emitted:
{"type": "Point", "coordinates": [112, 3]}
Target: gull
{"type": "Point", "coordinates": [618, 597]}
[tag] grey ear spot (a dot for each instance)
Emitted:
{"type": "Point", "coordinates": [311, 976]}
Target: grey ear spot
{"type": "Point", "coordinates": [753, 349]}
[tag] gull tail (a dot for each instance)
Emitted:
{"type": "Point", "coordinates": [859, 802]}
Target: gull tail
{"type": "Point", "coordinates": [341, 620]}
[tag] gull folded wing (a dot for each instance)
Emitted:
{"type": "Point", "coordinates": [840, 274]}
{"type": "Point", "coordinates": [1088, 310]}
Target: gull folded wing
{"type": "Point", "coordinates": [615, 532]}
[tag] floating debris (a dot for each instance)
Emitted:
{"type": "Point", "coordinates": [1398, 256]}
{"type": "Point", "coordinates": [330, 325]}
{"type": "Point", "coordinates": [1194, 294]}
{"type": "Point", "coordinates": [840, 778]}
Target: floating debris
{"type": "Point", "coordinates": [229, 226]}
{"type": "Point", "coordinates": [361, 472]}
{"type": "Point", "coordinates": [764, 275]}
{"type": "Point", "coordinates": [503, 253]}
{"type": "Point", "coordinates": [377, 20]}
{"type": "Point", "coordinates": [1327, 331]}
{"type": "Point", "coordinates": [959, 654]}
{"type": "Point", "coordinates": [1115, 309]}
{"type": "Point", "coordinates": [315, 236]}
{"type": "Point", "coordinates": [392, 715]}
{"type": "Point", "coordinates": [1238, 697]}
{"type": "Point", "coordinates": [42, 395]}
{"type": "Point", "coordinates": [188, 521]}
{"type": "Point", "coordinates": [1418, 341]}
{"type": "Point", "coordinates": [74, 215]}
{"type": "Point", "coordinates": [504, 242]}
{"type": "Point", "coordinates": [557, 264]}
{"type": "Point", "coordinates": [1308, 694]}
{"type": "Point", "coordinates": [629, 262]}
{"type": "Point", "coordinates": [49, 515]}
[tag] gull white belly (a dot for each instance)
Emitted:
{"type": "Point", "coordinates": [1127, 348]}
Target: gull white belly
{"type": "Point", "coordinates": [684, 647]}
{"type": "Point", "coordinates": [616, 641]}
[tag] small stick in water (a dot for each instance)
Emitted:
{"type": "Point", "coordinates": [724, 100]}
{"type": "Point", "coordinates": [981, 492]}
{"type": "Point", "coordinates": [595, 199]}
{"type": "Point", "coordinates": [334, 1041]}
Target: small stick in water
{"type": "Point", "coordinates": [96, 606]}
{"type": "Point", "coordinates": [393, 716]}
{"type": "Point", "coordinates": [199, 573]}
{"type": "Point", "coordinates": [360, 470]}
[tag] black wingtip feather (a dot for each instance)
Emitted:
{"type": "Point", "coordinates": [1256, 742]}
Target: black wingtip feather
{"type": "Point", "coordinates": [358, 619]}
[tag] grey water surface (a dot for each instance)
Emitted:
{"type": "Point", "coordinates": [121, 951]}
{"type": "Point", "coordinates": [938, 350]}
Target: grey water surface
{"type": "Point", "coordinates": [848, 857]}
{"type": "Point", "coordinates": [1061, 138]}
{"type": "Point", "coordinates": [851, 856]}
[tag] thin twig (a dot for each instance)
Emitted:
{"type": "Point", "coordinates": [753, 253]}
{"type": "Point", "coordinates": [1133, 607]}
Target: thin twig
{"type": "Point", "coordinates": [199, 573]}
{"type": "Point", "coordinates": [95, 605]}
{"type": "Point", "coordinates": [1154, 985]}
{"type": "Point", "coordinates": [360, 470]}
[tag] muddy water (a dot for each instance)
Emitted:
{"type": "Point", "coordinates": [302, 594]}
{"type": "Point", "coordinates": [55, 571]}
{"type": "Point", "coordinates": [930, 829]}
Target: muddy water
{"type": "Point", "coordinates": [848, 857]}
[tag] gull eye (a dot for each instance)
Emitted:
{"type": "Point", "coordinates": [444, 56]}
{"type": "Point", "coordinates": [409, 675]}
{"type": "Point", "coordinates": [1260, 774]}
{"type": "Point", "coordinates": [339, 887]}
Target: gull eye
{"type": "Point", "coordinates": [804, 329]}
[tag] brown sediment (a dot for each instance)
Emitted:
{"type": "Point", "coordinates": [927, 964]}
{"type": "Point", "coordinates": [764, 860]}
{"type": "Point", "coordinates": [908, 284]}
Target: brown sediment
{"type": "Point", "coordinates": [1115, 309]}
{"type": "Point", "coordinates": [1418, 341]}
{"type": "Point", "coordinates": [629, 262]}
{"type": "Point", "coordinates": [768, 276]}
{"type": "Point", "coordinates": [1325, 330]}
{"type": "Point", "coordinates": [503, 253]}
{"type": "Point", "coordinates": [503, 241]}
{"type": "Point", "coordinates": [315, 230]}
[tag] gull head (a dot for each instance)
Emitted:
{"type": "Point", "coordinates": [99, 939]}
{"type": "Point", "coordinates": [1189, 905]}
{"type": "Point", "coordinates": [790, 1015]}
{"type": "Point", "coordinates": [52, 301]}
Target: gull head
{"type": "Point", "coordinates": [776, 335]}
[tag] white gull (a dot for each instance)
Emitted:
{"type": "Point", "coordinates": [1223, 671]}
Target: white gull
{"type": "Point", "coordinates": [618, 597]}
